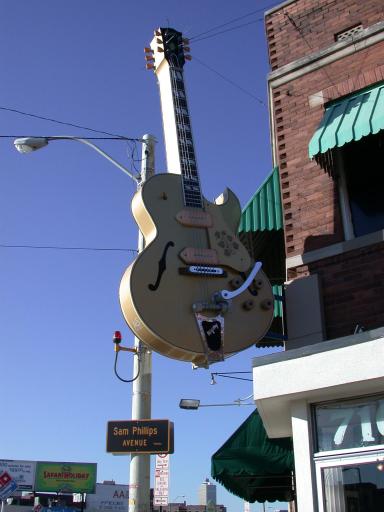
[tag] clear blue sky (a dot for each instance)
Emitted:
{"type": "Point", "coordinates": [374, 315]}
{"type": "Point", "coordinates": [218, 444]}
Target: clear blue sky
{"type": "Point", "coordinates": [83, 63]}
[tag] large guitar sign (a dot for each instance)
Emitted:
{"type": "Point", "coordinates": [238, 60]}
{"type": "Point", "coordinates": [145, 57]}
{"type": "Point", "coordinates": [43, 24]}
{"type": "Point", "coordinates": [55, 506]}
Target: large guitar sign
{"type": "Point", "coordinates": [193, 294]}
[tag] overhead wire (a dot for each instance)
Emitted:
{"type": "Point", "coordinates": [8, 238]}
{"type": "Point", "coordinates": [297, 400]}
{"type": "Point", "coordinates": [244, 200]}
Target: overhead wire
{"type": "Point", "coordinates": [57, 121]}
{"type": "Point", "coordinates": [228, 30]}
{"type": "Point", "coordinates": [121, 139]}
{"type": "Point", "coordinates": [233, 20]}
{"type": "Point", "coordinates": [63, 248]}
{"type": "Point", "coordinates": [259, 100]}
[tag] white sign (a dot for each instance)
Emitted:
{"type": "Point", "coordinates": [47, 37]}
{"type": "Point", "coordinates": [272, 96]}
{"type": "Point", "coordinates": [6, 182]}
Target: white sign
{"type": "Point", "coordinates": [23, 472]}
{"type": "Point", "coordinates": [108, 498]}
{"type": "Point", "coordinates": [161, 489]}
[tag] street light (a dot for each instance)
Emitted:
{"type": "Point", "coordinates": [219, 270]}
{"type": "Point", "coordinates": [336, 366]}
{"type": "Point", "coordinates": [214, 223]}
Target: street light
{"type": "Point", "coordinates": [192, 404]}
{"type": "Point", "coordinates": [141, 389]}
{"type": "Point", "coordinates": [29, 144]}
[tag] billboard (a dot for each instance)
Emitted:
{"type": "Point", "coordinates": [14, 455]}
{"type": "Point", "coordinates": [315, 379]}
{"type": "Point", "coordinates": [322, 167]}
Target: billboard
{"type": "Point", "coordinates": [108, 498]}
{"type": "Point", "coordinates": [65, 477]}
{"type": "Point", "coordinates": [22, 471]}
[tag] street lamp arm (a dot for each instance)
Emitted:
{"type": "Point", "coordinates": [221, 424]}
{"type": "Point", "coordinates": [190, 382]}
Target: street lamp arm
{"type": "Point", "coordinates": [193, 404]}
{"type": "Point", "coordinates": [28, 144]}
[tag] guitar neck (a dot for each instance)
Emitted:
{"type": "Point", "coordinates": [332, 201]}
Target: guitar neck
{"type": "Point", "coordinates": [180, 150]}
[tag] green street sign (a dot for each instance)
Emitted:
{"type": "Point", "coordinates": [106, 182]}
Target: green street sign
{"type": "Point", "coordinates": [65, 477]}
{"type": "Point", "coordinates": [139, 436]}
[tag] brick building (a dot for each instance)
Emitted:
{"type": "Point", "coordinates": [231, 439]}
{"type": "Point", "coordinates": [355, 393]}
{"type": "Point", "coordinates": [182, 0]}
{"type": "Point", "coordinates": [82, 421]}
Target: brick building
{"type": "Point", "coordinates": [326, 390]}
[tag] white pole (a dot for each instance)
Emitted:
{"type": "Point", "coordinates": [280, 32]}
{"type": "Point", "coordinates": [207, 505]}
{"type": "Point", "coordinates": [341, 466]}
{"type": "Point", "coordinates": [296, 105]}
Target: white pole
{"type": "Point", "coordinates": [139, 474]}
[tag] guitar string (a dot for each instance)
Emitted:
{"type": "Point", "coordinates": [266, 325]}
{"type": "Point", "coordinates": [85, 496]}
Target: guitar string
{"type": "Point", "coordinates": [186, 169]}
{"type": "Point", "coordinates": [180, 132]}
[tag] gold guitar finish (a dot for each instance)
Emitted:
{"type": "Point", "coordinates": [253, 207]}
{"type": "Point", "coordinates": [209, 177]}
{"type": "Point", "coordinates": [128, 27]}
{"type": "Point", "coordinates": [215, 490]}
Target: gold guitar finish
{"type": "Point", "coordinates": [158, 305]}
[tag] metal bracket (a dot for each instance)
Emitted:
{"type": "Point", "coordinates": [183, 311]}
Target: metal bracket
{"type": "Point", "coordinates": [227, 295]}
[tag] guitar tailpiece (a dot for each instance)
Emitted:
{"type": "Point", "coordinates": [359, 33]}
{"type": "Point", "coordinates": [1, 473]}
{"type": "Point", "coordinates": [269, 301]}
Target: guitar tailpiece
{"type": "Point", "coordinates": [212, 336]}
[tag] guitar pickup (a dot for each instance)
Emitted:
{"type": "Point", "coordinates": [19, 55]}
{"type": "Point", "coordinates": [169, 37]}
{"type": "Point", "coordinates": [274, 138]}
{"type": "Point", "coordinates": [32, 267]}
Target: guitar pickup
{"type": "Point", "coordinates": [199, 256]}
{"type": "Point", "coordinates": [203, 270]}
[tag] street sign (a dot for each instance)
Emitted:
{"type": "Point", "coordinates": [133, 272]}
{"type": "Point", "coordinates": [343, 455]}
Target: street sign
{"type": "Point", "coordinates": [7, 485]}
{"type": "Point", "coordinates": [140, 436]}
{"type": "Point", "coordinates": [161, 487]}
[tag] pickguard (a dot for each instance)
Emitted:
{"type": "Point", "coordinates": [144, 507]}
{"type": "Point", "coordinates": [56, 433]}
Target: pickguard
{"type": "Point", "coordinates": [162, 266]}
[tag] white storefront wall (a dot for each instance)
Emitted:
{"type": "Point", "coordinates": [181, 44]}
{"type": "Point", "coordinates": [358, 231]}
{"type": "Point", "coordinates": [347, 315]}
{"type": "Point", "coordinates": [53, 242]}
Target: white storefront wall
{"type": "Point", "coordinates": [288, 384]}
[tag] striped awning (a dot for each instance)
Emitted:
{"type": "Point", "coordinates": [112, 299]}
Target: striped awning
{"type": "Point", "coordinates": [349, 120]}
{"type": "Point", "coordinates": [263, 211]}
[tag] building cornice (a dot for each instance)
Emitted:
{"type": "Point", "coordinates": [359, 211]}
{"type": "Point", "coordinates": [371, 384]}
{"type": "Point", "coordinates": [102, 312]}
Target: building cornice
{"type": "Point", "coordinates": [334, 250]}
{"type": "Point", "coordinates": [339, 50]}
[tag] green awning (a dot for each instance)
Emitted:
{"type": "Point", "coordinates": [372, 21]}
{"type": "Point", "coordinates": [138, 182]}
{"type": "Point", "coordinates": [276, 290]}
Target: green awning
{"type": "Point", "coordinates": [349, 120]}
{"type": "Point", "coordinates": [261, 231]}
{"type": "Point", "coordinates": [263, 211]}
{"type": "Point", "coordinates": [254, 467]}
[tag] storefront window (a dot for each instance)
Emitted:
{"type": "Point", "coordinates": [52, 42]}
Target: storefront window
{"type": "Point", "coordinates": [354, 488]}
{"type": "Point", "coordinates": [350, 424]}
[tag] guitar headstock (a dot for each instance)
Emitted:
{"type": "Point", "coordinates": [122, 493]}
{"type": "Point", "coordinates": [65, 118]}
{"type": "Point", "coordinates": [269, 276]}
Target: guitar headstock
{"type": "Point", "coordinates": [167, 45]}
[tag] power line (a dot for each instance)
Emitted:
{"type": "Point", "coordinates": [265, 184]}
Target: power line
{"type": "Point", "coordinates": [299, 30]}
{"type": "Point", "coordinates": [63, 248]}
{"type": "Point", "coordinates": [231, 82]}
{"type": "Point", "coordinates": [228, 30]}
{"type": "Point", "coordinates": [232, 21]}
{"type": "Point", "coordinates": [36, 116]}
{"type": "Point", "coordinates": [42, 136]}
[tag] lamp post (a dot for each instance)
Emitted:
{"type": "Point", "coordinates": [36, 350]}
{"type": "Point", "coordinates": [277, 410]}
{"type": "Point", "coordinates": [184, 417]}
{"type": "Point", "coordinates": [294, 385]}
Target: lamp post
{"type": "Point", "coordinates": [192, 404]}
{"type": "Point", "coordinates": [139, 474]}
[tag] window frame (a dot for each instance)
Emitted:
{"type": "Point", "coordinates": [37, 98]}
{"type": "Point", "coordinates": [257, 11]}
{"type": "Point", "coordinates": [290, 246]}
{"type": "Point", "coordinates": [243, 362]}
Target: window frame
{"type": "Point", "coordinates": [339, 460]}
{"type": "Point", "coordinates": [342, 457]}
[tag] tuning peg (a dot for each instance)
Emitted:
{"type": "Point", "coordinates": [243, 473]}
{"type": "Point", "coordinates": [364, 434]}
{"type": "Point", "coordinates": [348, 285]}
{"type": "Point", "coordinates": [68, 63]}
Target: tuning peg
{"type": "Point", "coordinates": [149, 58]}
{"type": "Point", "coordinates": [185, 40]}
{"type": "Point", "coordinates": [148, 50]}
{"type": "Point", "coordinates": [159, 41]}
{"type": "Point", "coordinates": [187, 57]}
{"type": "Point", "coordinates": [157, 33]}
{"type": "Point", "coordinates": [160, 49]}
{"type": "Point", "coordinates": [186, 49]}
{"type": "Point", "coordinates": [150, 66]}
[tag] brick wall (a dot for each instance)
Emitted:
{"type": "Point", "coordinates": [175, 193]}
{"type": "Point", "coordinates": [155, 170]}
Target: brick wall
{"type": "Point", "coordinates": [306, 25]}
{"type": "Point", "coordinates": [310, 195]}
{"type": "Point", "coordinates": [352, 287]}
{"type": "Point", "coordinates": [310, 198]}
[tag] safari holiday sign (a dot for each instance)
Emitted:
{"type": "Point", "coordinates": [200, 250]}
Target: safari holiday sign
{"type": "Point", "coordinates": [70, 477]}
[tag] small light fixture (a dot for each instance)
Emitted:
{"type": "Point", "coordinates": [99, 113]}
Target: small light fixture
{"type": "Point", "coordinates": [213, 382]}
{"type": "Point", "coordinates": [380, 465]}
{"type": "Point", "coordinates": [29, 144]}
{"type": "Point", "coordinates": [189, 403]}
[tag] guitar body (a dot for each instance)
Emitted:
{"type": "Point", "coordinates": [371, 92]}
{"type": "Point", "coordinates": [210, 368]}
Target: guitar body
{"type": "Point", "coordinates": [157, 294]}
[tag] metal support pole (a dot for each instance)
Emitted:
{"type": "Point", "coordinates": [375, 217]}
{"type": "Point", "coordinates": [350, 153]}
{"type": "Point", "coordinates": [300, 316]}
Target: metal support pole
{"type": "Point", "coordinates": [139, 474]}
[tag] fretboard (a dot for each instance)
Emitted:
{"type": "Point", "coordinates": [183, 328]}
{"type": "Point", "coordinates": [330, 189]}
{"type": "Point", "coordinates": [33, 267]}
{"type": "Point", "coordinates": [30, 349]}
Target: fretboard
{"type": "Point", "coordinates": [187, 158]}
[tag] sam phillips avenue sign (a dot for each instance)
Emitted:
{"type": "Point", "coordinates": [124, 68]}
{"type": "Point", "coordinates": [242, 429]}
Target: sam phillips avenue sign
{"type": "Point", "coordinates": [140, 436]}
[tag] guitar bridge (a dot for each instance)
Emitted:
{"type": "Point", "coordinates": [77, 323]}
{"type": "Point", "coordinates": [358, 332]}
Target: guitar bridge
{"type": "Point", "coordinates": [202, 270]}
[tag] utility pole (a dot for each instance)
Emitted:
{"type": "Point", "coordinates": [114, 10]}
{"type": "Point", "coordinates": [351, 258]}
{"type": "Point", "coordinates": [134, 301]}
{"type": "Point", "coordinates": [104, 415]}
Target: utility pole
{"type": "Point", "coordinates": [139, 473]}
